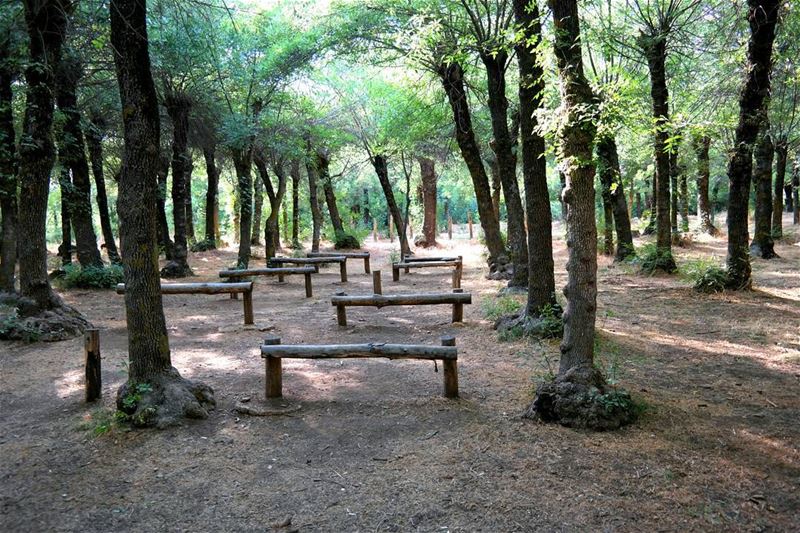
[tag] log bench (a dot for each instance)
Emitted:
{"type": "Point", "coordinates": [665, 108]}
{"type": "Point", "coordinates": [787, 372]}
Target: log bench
{"type": "Point", "coordinates": [432, 262]}
{"type": "Point", "coordinates": [313, 261]}
{"type": "Point", "coordinates": [457, 299]}
{"type": "Point", "coordinates": [243, 287]}
{"type": "Point", "coordinates": [346, 255]}
{"type": "Point", "coordinates": [279, 272]}
{"type": "Point", "coordinates": [274, 352]}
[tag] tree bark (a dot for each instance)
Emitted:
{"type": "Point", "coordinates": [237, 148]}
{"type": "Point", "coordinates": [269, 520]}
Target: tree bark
{"type": "Point", "coordinates": [541, 278]}
{"type": "Point", "coordinates": [701, 148]}
{"type": "Point", "coordinates": [65, 248]}
{"type": "Point", "coordinates": [367, 214]}
{"type": "Point", "coordinates": [8, 170]}
{"type": "Point", "coordinates": [762, 16]}
{"type": "Point", "coordinates": [763, 245]}
{"type": "Point", "coordinates": [170, 397]}
{"type": "Point", "coordinates": [178, 106]}
{"type": "Point", "coordinates": [611, 179]}
{"type": "Point", "coordinates": [323, 166]}
{"type": "Point", "coordinates": [72, 155]}
{"type": "Point", "coordinates": [655, 50]}
{"type": "Point", "coordinates": [243, 162]}
{"type": "Point", "coordinates": [164, 240]}
{"type": "Point", "coordinates": [427, 170]}
{"type": "Point", "coordinates": [781, 156]}
{"type": "Point", "coordinates": [495, 62]}
{"type": "Point", "coordinates": [381, 167]}
{"type": "Point", "coordinates": [212, 203]}
{"type": "Point", "coordinates": [795, 193]}
{"type": "Point", "coordinates": [683, 185]}
{"type": "Point", "coordinates": [316, 214]}
{"type": "Point", "coordinates": [190, 233]}
{"type": "Point", "coordinates": [295, 173]}
{"type": "Point", "coordinates": [452, 76]}
{"type": "Point", "coordinates": [94, 142]}
{"type": "Point", "coordinates": [258, 208]}
{"type": "Point", "coordinates": [271, 230]}
{"type": "Point", "coordinates": [674, 172]}
{"type": "Point", "coordinates": [497, 184]}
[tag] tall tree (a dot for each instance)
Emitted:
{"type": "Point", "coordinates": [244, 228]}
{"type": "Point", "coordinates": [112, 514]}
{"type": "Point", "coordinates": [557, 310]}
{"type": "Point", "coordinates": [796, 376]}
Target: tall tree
{"type": "Point", "coordinates": [294, 171]}
{"type": "Point", "coordinates": [8, 163]}
{"type": "Point", "coordinates": [763, 245]}
{"type": "Point", "coordinates": [94, 142]}
{"type": "Point", "coordinates": [168, 397]}
{"type": "Point", "coordinates": [702, 144]}
{"type": "Point", "coordinates": [762, 16]}
{"type": "Point", "coordinates": [574, 397]}
{"type": "Point", "coordinates": [427, 170]}
{"type": "Point", "coordinates": [212, 202]}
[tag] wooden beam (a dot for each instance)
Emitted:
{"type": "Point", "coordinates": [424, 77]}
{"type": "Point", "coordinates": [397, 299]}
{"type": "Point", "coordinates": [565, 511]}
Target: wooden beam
{"type": "Point", "coordinates": [380, 300]}
{"type": "Point", "coordinates": [199, 288]}
{"type": "Point", "coordinates": [275, 271]}
{"type": "Point", "coordinates": [450, 370]}
{"type": "Point", "coordinates": [92, 365]}
{"type": "Point", "coordinates": [358, 351]}
{"type": "Point", "coordinates": [427, 264]}
{"type": "Point", "coordinates": [354, 255]}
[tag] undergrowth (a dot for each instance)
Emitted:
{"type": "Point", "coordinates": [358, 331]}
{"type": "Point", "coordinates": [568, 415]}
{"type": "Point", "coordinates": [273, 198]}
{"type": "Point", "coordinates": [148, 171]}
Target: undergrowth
{"type": "Point", "coordinates": [494, 308]}
{"type": "Point", "coordinates": [650, 259]}
{"type": "Point", "coordinates": [105, 277]}
{"type": "Point", "coordinates": [705, 274]}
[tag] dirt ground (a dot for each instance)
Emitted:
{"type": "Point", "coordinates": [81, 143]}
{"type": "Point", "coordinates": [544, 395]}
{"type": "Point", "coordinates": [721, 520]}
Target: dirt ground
{"type": "Point", "coordinates": [375, 447]}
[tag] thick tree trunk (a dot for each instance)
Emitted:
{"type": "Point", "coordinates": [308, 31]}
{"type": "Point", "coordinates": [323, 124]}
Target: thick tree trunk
{"type": "Point", "coordinates": [781, 156]}
{"type": "Point", "coordinates": [795, 194]}
{"type": "Point", "coordinates": [495, 62]}
{"type": "Point", "coordinates": [243, 162]}
{"type": "Point", "coordinates": [674, 172]}
{"type": "Point", "coordinates": [190, 232]}
{"type": "Point", "coordinates": [497, 184]}
{"type": "Point", "coordinates": [651, 224]}
{"type": "Point", "coordinates": [655, 50]}
{"type": "Point", "coordinates": [178, 106]}
{"type": "Point", "coordinates": [258, 208]}
{"type": "Point", "coordinates": [611, 179]}
{"type": "Point", "coordinates": [316, 214]}
{"type": "Point", "coordinates": [169, 397]}
{"type": "Point", "coordinates": [295, 173]}
{"type": "Point", "coordinates": [763, 245]}
{"type": "Point", "coordinates": [452, 76]}
{"type": "Point", "coordinates": [427, 170]}
{"type": "Point", "coordinates": [164, 240]}
{"type": "Point", "coordinates": [212, 203]}
{"type": "Point", "coordinates": [763, 16]}
{"type": "Point", "coordinates": [72, 155]}
{"type": "Point", "coordinates": [608, 225]}
{"type": "Point", "coordinates": [94, 142]}
{"type": "Point", "coordinates": [381, 167]}
{"type": "Point", "coordinates": [271, 230]}
{"type": "Point", "coordinates": [323, 166]}
{"type": "Point", "coordinates": [365, 210]}
{"type": "Point", "coordinates": [701, 149]}
{"type": "Point", "coordinates": [65, 248]}
{"type": "Point", "coordinates": [541, 279]}
{"type": "Point", "coordinates": [683, 185]}
{"type": "Point", "coordinates": [8, 171]}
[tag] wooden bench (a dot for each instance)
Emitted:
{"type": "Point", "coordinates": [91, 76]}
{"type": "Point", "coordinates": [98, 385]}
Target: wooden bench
{"type": "Point", "coordinates": [244, 287]}
{"type": "Point", "coordinates": [279, 272]}
{"type": "Point", "coordinates": [457, 299]}
{"type": "Point", "coordinates": [432, 262]}
{"type": "Point", "coordinates": [273, 352]}
{"type": "Point", "coordinates": [346, 255]}
{"type": "Point", "coordinates": [313, 261]}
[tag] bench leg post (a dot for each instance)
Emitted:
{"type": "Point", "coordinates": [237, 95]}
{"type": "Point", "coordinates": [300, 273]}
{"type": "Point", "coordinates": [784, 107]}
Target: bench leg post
{"type": "Point", "coordinates": [307, 275]}
{"type": "Point", "coordinates": [450, 370]}
{"type": "Point", "coordinates": [376, 282]}
{"type": "Point", "coordinates": [343, 271]}
{"type": "Point", "coordinates": [248, 308]}
{"type": "Point", "coordinates": [234, 296]}
{"type": "Point", "coordinates": [341, 315]}
{"type": "Point", "coordinates": [458, 312]}
{"type": "Point", "coordinates": [366, 265]}
{"type": "Point", "coordinates": [273, 387]}
{"type": "Point", "coordinates": [280, 278]}
{"type": "Point", "coordinates": [395, 273]}
{"type": "Point", "coordinates": [316, 268]}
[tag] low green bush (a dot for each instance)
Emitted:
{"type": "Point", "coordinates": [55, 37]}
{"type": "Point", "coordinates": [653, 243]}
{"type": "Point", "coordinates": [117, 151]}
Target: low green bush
{"type": "Point", "coordinates": [204, 246]}
{"type": "Point", "coordinates": [494, 308]}
{"type": "Point", "coordinates": [347, 240]}
{"type": "Point", "coordinates": [650, 259]}
{"type": "Point", "coordinates": [105, 277]}
{"type": "Point", "coordinates": [706, 275]}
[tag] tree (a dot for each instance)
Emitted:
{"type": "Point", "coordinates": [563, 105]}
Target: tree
{"type": "Point", "coordinates": [161, 396]}
{"type": "Point", "coordinates": [427, 170]}
{"type": "Point", "coordinates": [575, 396]}
{"type": "Point", "coordinates": [94, 142]}
{"type": "Point", "coordinates": [702, 144]}
{"type": "Point", "coordinates": [763, 245]}
{"type": "Point", "coordinates": [762, 16]}
{"type": "Point", "coordinates": [8, 159]}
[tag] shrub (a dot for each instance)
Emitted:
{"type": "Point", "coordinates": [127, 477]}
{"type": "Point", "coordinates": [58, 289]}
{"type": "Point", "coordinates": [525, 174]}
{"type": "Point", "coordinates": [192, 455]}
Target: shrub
{"type": "Point", "coordinates": [105, 277]}
{"type": "Point", "coordinates": [551, 325]}
{"type": "Point", "coordinates": [347, 240]}
{"type": "Point", "coordinates": [12, 327]}
{"type": "Point", "coordinates": [204, 246]}
{"type": "Point", "coordinates": [500, 306]}
{"type": "Point", "coordinates": [650, 259]}
{"type": "Point", "coordinates": [706, 275]}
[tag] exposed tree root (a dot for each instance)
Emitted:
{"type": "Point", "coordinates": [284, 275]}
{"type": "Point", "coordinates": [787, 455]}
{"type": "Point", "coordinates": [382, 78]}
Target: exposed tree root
{"type": "Point", "coordinates": [501, 269]}
{"type": "Point", "coordinates": [165, 400]}
{"type": "Point", "coordinates": [174, 270]}
{"type": "Point", "coordinates": [581, 398]}
{"type": "Point", "coordinates": [545, 326]}
{"type": "Point", "coordinates": [764, 252]}
{"type": "Point", "coordinates": [22, 319]}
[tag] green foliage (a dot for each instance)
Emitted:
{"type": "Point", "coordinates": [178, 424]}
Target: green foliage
{"type": "Point", "coordinates": [348, 240]}
{"type": "Point", "coordinates": [204, 246]}
{"type": "Point", "coordinates": [102, 421]}
{"type": "Point", "coordinates": [494, 308]}
{"type": "Point", "coordinates": [650, 259]}
{"type": "Point", "coordinates": [14, 328]}
{"type": "Point", "coordinates": [134, 396]}
{"type": "Point", "coordinates": [552, 323]}
{"type": "Point", "coordinates": [706, 275]}
{"type": "Point", "coordinates": [511, 334]}
{"type": "Point", "coordinates": [105, 277]}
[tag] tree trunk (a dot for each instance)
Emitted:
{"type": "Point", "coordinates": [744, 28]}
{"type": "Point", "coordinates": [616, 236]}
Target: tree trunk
{"type": "Point", "coordinates": [190, 233]}
{"type": "Point", "coordinates": [323, 166]}
{"type": "Point", "coordinates": [258, 208]}
{"type": "Point", "coordinates": [762, 15]}
{"type": "Point", "coordinates": [72, 155]}
{"type": "Point", "coordinates": [795, 192]}
{"type": "Point", "coordinates": [178, 106]}
{"type": "Point", "coordinates": [94, 142]}
{"type": "Point", "coordinates": [65, 248]}
{"type": "Point", "coordinates": [452, 77]}
{"type": "Point", "coordinates": [611, 179]}
{"type": "Point", "coordinates": [608, 225]}
{"type": "Point", "coordinates": [571, 398]}
{"type": "Point", "coordinates": [541, 280]}
{"type": "Point", "coordinates": [674, 171]}
{"type": "Point", "coordinates": [503, 147]}
{"type": "Point", "coordinates": [170, 397]}
{"type": "Point", "coordinates": [8, 171]}
{"type": "Point", "coordinates": [497, 185]}
{"type": "Point", "coordinates": [651, 224]}
{"type": "Point", "coordinates": [295, 173]}
{"type": "Point", "coordinates": [683, 185]}
{"type": "Point", "coordinates": [381, 167]}
{"type": "Point", "coordinates": [271, 230]}
{"type": "Point", "coordinates": [781, 156]}
{"type": "Point", "coordinates": [701, 148]}
{"type": "Point", "coordinates": [164, 240]}
{"type": "Point", "coordinates": [427, 170]}
{"type": "Point", "coordinates": [316, 214]}
{"type": "Point", "coordinates": [243, 162]}
{"type": "Point", "coordinates": [212, 203]}
{"type": "Point", "coordinates": [763, 245]}
{"type": "Point", "coordinates": [655, 50]}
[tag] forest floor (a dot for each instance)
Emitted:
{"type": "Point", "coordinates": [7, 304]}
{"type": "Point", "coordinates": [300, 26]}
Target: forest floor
{"type": "Point", "coordinates": [375, 447]}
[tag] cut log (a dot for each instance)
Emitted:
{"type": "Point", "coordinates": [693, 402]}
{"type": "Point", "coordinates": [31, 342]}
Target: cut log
{"type": "Point", "coordinates": [349, 255]}
{"type": "Point", "coordinates": [356, 351]}
{"type": "Point", "coordinates": [280, 272]}
{"type": "Point", "coordinates": [450, 370]}
{"type": "Point", "coordinates": [94, 380]}
{"type": "Point", "coordinates": [383, 300]}
{"type": "Point", "coordinates": [376, 282]}
{"type": "Point", "coordinates": [315, 261]}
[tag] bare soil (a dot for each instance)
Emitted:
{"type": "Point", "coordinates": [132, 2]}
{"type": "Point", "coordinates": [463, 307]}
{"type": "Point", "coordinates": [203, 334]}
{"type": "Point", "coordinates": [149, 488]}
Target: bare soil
{"type": "Point", "coordinates": [371, 445]}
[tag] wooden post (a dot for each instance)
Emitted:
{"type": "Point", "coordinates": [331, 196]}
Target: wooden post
{"type": "Point", "coordinates": [376, 282]}
{"type": "Point", "coordinates": [374, 230]}
{"type": "Point", "coordinates": [343, 270]}
{"type": "Point", "coordinates": [458, 309]}
{"type": "Point", "coordinates": [450, 370]}
{"type": "Point", "coordinates": [94, 380]}
{"type": "Point", "coordinates": [274, 381]}
{"type": "Point", "coordinates": [248, 308]}
{"type": "Point", "coordinates": [341, 315]}
{"type": "Point", "coordinates": [366, 264]}
{"type": "Point", "coordinates": [457, 272]}
{"type": "Point", "coordinates": [469, 223]}
{"type": "Point", "coordinates": [280, 278]}
{"type": "Point", "coordinates": [234, 296]}
{"type": "Point", "coordinates": [395, 273]}
{"type": "Point", "coordinates": [449, 227]}
{"type": "Point", "coordinates": [309, 293]}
